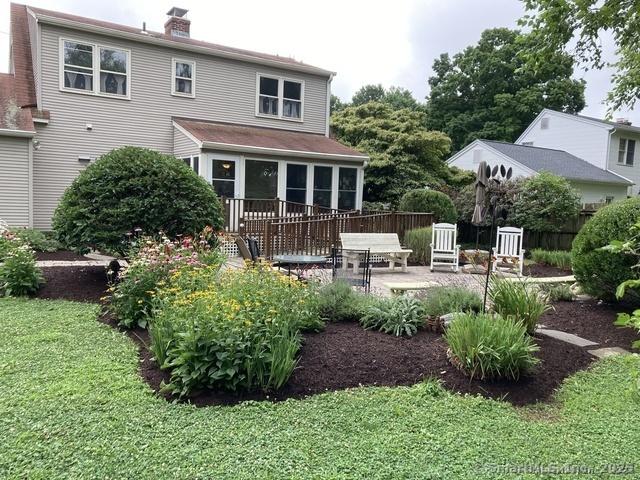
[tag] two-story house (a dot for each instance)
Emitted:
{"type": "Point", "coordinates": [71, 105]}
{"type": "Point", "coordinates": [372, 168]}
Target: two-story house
{"type": "Point", "coordinates": [254, 125]}
{"type": "Point", "coordinates": [597, 157]}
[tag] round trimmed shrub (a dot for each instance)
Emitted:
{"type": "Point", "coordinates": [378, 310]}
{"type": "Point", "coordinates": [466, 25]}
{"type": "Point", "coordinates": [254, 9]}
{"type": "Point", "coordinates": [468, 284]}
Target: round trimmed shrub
{"type": "Point", "coordinates": [130, 188]}
{"type": "Point", "coordinates": [599, 272]}
{"type": "Point", "coordinates": [429, 201]}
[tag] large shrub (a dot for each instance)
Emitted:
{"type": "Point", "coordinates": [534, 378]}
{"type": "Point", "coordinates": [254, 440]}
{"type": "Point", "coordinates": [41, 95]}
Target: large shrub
{"type": "Point", "coordinates": [233, 330]}
{"type": "Point", "coordinates": [151, 261]}
{"type": "Point", "coordinates": [490, 347]}
{"type": "Point", "coordinates": [599, 271]}
{"type": "Point", "coordinates": [419, 240]}
{"type": "Point", "coordinates": [38, 240]}
{"type": "Point", "coordinates": [517, 300]}
{"type": "Point", "coordinates": [429, 201]}
{"type": "Point", "coordinates": [131, 188]}
{"type": "Point", "coordinates": [545, 203]}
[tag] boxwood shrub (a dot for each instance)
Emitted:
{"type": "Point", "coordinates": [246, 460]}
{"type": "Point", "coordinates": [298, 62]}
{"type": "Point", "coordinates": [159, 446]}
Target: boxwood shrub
{"type": "Point", "coordinates": [429, 201]}
{"type": "Point", "coordinates": [599, 272]}
{"type": "Point", "coordinates": [132, 188]}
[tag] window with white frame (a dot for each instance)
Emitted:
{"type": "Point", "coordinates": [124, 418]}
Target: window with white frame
{"type": "Point", "coordinates": [280, 97]}
{"type": "Point", "coordinates": [193, 162]}
{"type": "Point", "coordinates": [184, 76]}
{"type": "Point", "coordinates": [322, 181]}
{"type": "Point", "coordinates": [296, 183]}
{"type": "Point", "coordinates": [83, 63]}
{"type": "Point", "coordinates": [626, 151]}
{"type": "Point", "coordinates": [223, 177]}
{"type": "Point", "coordinates": [347, 182]}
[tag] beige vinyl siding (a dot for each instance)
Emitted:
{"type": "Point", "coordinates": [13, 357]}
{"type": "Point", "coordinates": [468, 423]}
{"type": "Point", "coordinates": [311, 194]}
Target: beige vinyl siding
{"type": "Point", "coordinates": [225, 91]}
{"type": "Point", "coordinates": [632, 172]}
{"type": "Point", "coordinates": [183, 146]}
{"type": "Point", "coordinates": [14, 172]}
{"type": "Point", "coordinates": [35, 54]}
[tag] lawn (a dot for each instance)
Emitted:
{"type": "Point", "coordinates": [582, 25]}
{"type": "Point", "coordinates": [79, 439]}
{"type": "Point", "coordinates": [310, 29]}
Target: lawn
{"type": "Point", "coordinates": [73, 406]}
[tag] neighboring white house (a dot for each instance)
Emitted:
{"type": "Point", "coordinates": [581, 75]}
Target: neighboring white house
{"type": "Point", "coordinates": [598, 158]}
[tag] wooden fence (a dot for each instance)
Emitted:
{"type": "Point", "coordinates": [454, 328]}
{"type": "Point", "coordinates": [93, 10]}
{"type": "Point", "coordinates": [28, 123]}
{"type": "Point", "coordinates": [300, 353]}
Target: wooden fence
{"type": "Point", "coordinates": [562, 240]}
{"type": "Point", "coordinates": [316, 236]}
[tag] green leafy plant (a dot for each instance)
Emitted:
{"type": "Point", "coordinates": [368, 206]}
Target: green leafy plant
{"type": "Point", "coordinates": [38, 240]}
{"type": "Point", "coordinates": [339, 302]}
{"type": "Point", "coordinates": [599, 271]}
{"type": "Point", "coordinates": [398, 316]}
{"type": "Point", "coordinates": [558, 292]}
{"type": "Point", "coordinates": [442, 300]}
{"type": "Point", "coordinates": [230, 330]}
{"type": "Point", "coordinates": [518, 300]}
{"type": "Point", "coordinates": [19, 274]}
{"type": "Point", "coordinates": [555, 258]}
{"type": "Point", "coordinates": [419, 240]}
{"type": "Point", "coordinates": [490, 347]}
{"type": "Point", "coordinates": [132, 188]}
{"type": "Point", "coordinates": [429, 201]}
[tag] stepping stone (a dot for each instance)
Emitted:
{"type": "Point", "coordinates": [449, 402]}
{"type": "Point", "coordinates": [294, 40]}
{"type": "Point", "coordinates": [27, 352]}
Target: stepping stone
{"type": "Point", "coordinates": [608, 352]}
{"type": "Point", "coordinates": [566, 337]}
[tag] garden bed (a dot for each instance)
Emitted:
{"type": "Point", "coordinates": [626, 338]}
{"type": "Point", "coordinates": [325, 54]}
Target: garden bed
{"type": "Point", "coordinates": [61, 255]}
{"type": "Point", "coordinates": [592, 320]}
{"type": "Point", "coordinates": [80, 284]}
{"type": "Point", "coordinates": [544, 271]}
{"type": "Point", "coordinates": [344, 355]}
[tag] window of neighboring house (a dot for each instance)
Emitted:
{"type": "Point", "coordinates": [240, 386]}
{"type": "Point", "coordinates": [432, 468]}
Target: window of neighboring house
{"type": "Point", "coordinates": [626, 151]}
{"type": "Point", "coordinates": [223, 178]}
{"type": "Point", "coordinates": [193, 163]}
{"type": "Point", "coordinates": [280, 97]}
{"type": "Point", "coordinates": [347, 181]}
{"type": "Point", "coordinates": [83, 63]}
{"type": "Point", "coordinates": [477, 156]}
{"type": "Point", "coordinates": [184, 75]}
{"type": "Point", "coordinates": [322, 179]}
{"type": "Point", "coordinates": [544, 123]}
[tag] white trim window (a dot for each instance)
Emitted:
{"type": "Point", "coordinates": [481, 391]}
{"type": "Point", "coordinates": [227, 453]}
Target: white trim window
{"type": "Point", "coordinates": [223, 177]}
{"type": "Point", "coordinates": [347, 188]}
{"type": "Point", "coordinates": [183, 78]}
{"type": "Point", "coordinates": [82, 63]}
{"type": "Point", "coordinates": [193, 162]}
{"type": "Point", "coordinates": [279, 97]}
{"type": "Point", "coordinates": [626, 151]}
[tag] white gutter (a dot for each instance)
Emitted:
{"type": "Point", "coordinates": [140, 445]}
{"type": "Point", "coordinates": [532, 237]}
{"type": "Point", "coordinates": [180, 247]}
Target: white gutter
{"type": "Point", "coordinates": [8, 132]}
{"type": "Point", "coordinates": [280, 151]}
{"type": "Point", "coordinates": [137, 37]}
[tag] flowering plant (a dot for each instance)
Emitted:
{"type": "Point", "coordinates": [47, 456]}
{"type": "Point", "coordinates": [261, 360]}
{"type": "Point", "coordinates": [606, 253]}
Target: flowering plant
{"type": "Point", "coordinates": [19, 274]}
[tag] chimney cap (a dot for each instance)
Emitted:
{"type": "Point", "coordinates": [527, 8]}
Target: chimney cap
{"type": "Point", "coordinates": [177, 12]}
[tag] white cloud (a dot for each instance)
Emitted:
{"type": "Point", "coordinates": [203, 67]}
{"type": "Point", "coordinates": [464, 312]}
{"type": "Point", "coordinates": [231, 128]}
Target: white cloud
{"type": "Point", "coordinates": [393, 43]}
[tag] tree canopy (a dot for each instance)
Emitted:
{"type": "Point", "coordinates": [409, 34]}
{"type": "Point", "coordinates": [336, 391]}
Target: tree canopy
{"type": "Point", "coordinates": [485, 91]}
{"type": "Point", "coordinates": [404, 154]}
{"type": "Point", "coordinates": [396, 97]}
{"type": "Point", "coordinates": [580, 23]}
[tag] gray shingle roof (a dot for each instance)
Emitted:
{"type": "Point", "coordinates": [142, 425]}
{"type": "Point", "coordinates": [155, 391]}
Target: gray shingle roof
{"type": "Point", "coordinates": [558, 162]}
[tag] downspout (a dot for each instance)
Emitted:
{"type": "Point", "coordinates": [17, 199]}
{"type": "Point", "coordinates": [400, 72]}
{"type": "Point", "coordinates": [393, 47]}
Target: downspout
{"type": "Point", "coordinates": [328, 115]}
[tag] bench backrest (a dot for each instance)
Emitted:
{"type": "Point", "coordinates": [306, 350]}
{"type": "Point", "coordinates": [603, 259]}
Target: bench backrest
{"type": "Point", "coordinates": [370, 241]}
{"type": "Point", "coordinates": [509, 241]}
{"type": "Point", "coordinates": [443, 237]}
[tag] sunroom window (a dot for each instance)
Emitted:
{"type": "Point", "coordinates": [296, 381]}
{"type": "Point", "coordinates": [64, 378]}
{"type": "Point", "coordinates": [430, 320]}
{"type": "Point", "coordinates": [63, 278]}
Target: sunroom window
{"type": "Point", "coordinates": [78, 66]}
{"type": "Point", "coordinates": [280, 97]}
{"type": "Point", "coordinates": [193, 163]}
{"type": "Point", "coordinates": [184, 73]}
{"type": "Point", "coordinates": [95, 69]}
{"type": "Point", "coordinates": [347, 181]}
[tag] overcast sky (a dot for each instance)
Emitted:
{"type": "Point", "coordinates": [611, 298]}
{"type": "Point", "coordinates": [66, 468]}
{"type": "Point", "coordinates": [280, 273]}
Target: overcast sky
{"type": "Point", "coordinates": [365, 41]}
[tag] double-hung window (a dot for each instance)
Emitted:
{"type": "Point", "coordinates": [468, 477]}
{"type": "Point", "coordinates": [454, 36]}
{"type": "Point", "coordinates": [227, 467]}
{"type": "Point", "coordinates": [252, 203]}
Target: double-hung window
{"type": "Point", "coordinates": [95, 69]}
{"type": "Point", "coordinates": [184, 76]}
{"type": "Point", "coordinates": [626, 151]}
{"type": "Point", "coordinates": [280, 97]}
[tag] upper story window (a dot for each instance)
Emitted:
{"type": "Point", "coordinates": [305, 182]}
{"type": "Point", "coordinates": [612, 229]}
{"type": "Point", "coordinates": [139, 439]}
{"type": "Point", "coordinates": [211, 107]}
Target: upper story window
{"type": "Point", "coordinates": [544, 123]}
{"type": "Point", "coordinates": [94, 69]}
{"type": "Point", "coordinates": [184, 77]}
{"type": "Point", "coordinates": [280, 97]}
{"type": "Point", "coordinates": [626, 151]}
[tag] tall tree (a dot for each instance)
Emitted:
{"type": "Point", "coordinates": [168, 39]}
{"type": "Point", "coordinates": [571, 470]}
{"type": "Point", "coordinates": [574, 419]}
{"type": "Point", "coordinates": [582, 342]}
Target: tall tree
{"type": "Point", "coordinates": [485, 91]}
{"type": "Point", "coordinates": [397, 97]}
{"type": "Point", "coordinates": [404, 154]}
{"type": "Point", "coordinates": [368, 93]}
{"type": "Point", "coordinates": [580, 23]}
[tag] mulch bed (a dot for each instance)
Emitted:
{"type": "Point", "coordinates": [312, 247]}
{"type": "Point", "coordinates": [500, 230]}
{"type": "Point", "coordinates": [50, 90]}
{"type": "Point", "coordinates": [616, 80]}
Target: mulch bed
{"type": "Point", "coordinates": [61, 255]}
{"type": "Point", "coordinates": [344, 355]}
{"type": "Point", "coordinates": [81, 284]}
{"type": "Point", "coordinates": [592, 320]}
{"type": "Point", "coordinates": [541, 271]}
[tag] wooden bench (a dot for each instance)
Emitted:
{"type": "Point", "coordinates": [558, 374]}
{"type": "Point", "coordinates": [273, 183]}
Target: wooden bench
{"type": "Point", "coordinates": [398, 288]}
{"type": "Point", "coordinates": [386, 245]}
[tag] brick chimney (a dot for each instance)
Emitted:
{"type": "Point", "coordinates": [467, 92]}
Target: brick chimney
{"type": "Point", "coordinates": [623, 121]}
{"type": "Point", "coordinates": [177, 25]}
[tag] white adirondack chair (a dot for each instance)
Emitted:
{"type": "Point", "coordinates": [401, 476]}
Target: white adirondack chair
{"type": "Point", "coordinates": [444, 250]}
{"type": "Point", "coordinates": [509, 247]}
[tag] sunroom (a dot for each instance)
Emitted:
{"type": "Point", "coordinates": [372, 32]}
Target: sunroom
{"type": "Point", "coordinates": [252, 164]}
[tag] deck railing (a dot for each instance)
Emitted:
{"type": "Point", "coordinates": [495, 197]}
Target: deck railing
{"type": "Point", "coordinates": [316, 236]}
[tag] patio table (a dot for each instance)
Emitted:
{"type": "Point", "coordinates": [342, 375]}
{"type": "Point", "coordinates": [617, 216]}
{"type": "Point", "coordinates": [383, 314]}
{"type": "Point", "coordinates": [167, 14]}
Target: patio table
{"type": "Point", "coordinates": [305, 261]}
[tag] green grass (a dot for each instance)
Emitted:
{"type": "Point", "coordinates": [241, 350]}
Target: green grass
{"type": "Point", "coordinates": [72, 406]}
{"type": "Point", "coordinates": [555, 258]}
